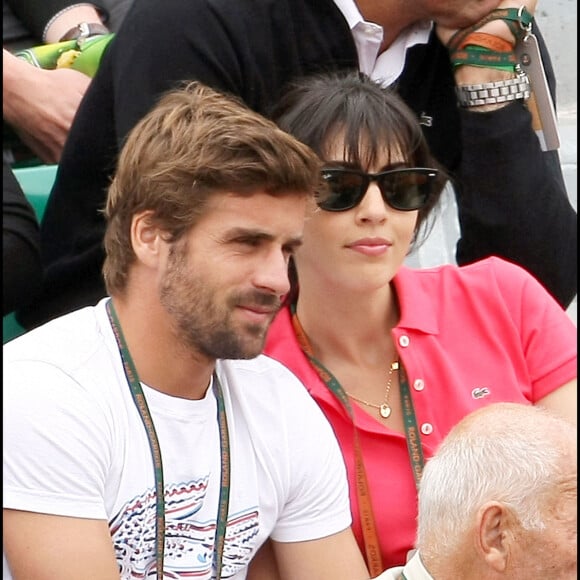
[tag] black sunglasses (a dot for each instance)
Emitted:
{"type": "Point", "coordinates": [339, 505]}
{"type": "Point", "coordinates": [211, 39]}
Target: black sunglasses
{"type": "Point", "coordinates": [402, 189]}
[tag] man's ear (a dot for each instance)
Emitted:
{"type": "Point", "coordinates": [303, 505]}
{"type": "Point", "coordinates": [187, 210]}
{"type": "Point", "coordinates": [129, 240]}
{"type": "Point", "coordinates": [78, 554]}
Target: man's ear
{"type": "Point", "coordinates": [146, 238]}
{"type": "Point", "coordinates": [494, 534]}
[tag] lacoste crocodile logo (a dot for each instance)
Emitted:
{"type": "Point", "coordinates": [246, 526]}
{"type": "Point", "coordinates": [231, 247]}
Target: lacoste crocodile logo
{"type": "Point", "coordinates": [480, 392]}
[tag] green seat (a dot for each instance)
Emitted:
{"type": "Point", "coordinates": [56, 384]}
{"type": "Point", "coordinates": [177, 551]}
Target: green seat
{"type": "Point", "coordinates": [36, 182]}
{"type": "Point", "coordinates": [10, 328]}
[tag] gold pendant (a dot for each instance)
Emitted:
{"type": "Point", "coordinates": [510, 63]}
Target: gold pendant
{"type": "Point", "coordinates": [385, 411]}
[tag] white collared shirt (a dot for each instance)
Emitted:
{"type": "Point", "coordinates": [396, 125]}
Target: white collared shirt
{"type": "Point", "coordinates": [412, 570]}
{"type": "Point", "coordinates": [385, 67]}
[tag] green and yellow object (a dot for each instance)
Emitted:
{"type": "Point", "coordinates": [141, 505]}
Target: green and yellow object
{"type": "Point", "coordinates": [84, 56]}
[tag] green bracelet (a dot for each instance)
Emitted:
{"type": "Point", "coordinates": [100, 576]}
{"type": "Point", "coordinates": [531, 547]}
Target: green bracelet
{"type": "Point", "coordinates": [518, 20]}
{"type": "Point", "coordinates": [484, 57]}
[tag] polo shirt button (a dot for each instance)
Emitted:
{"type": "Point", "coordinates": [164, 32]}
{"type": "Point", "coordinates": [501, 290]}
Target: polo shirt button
{"type": "Point", "coordinates": [419, 385]}
{"type": "Point", "coordinates": [404, 340]}
{"type": "Point", "coordinates": [426, 428]}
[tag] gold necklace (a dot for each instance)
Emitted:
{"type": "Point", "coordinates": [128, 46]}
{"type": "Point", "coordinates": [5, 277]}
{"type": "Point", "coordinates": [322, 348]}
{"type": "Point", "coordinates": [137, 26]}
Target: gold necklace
{"type": "Point", "coordinates": [384, 409]}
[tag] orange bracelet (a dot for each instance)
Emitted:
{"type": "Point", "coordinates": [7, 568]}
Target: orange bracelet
{"type": "Point", "coordinates": [489, 41]}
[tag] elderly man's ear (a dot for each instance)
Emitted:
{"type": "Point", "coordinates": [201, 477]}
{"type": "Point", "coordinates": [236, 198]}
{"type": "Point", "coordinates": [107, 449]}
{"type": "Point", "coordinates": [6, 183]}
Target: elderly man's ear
{"type": "Point", "coordinates": [496, 524]}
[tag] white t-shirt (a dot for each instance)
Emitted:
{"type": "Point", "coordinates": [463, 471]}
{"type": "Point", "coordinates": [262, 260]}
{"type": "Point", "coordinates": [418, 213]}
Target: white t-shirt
{"type": "Point", "coordinates": [75, 445]}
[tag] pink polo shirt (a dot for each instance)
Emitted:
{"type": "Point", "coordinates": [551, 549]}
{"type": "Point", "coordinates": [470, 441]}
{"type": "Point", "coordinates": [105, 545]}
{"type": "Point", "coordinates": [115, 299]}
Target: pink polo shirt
{"type": "Point", "coordinates": [468, 337]}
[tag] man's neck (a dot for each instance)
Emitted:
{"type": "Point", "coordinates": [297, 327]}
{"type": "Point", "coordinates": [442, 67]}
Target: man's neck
{"type": "Point", "coordinates": [393, 15]}
{"type": "Point", "coordinates": [463, 564]}
{"type": "Point", "coordinates": [162, 362]}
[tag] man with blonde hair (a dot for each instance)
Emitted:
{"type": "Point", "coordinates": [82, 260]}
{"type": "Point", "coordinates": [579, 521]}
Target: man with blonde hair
{"type": "Point", "coordinates": [133, 448]}
{"type": "Point", "coordinates": [498, 500]}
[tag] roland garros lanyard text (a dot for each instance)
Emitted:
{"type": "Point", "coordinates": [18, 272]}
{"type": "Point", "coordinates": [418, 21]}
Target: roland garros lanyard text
{"type": "Point", "coordinates": [370, 535]}
{"type": "Point", "coordinates": [143, 409]}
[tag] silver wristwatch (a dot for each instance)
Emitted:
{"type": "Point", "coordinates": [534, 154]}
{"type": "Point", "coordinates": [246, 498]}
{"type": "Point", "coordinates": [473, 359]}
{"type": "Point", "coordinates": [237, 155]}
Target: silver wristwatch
{"type": "Point", "coordinates": [494, 93]}
{"type": "Point", "coordinates": [84, 30]}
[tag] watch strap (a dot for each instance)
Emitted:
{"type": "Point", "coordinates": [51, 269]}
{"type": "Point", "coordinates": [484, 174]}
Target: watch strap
{"type": "Point", "coordinates": [514, 89]}
{"type": "Point", "coordinates": [84, 30]}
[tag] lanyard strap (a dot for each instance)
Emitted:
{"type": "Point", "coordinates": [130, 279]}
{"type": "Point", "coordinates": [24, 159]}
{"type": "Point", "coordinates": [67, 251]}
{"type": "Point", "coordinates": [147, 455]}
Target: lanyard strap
{"type": "Point", "coordinates": [143, 409]}
{"type": "Point", "coordinates": [372, 547]}
{"type": "Point", "coordinates": [367, 517]}
{"type": "Point", "coordinates": [411, 430]}
{"type": "Point", "coordinates": [224, 497]}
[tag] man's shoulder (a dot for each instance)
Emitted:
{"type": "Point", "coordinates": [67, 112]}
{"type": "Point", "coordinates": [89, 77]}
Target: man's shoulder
{"type": "Point", "coordinates": [262, 369]}
{"type": "Point", "coordinates": [229, 11]}
{"type": "Point", "coordinates": [68, 342]}
{"type": "Point", "coordinates": [265, 383]}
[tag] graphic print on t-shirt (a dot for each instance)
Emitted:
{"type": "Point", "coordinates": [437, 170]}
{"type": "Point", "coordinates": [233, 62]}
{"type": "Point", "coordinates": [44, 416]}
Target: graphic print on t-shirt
{"type": "Point", "coordinates": [189, 539]}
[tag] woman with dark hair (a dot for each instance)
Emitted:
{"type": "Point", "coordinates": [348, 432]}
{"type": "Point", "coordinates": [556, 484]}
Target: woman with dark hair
{"type": "Point", "coordinates": [395, 357]}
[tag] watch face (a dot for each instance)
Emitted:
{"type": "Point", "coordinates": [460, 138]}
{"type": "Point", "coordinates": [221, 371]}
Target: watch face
{"type": "Point", "coordinates": [84, 29]}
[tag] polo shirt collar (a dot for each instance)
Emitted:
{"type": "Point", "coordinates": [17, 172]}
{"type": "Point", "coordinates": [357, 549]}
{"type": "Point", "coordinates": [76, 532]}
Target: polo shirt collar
{"type": "Point", "coordinates": [417, 303]}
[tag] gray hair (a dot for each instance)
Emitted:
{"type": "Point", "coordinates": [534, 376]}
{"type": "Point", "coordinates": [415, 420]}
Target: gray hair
{"type": "Point", "coordinates": [507, 452]}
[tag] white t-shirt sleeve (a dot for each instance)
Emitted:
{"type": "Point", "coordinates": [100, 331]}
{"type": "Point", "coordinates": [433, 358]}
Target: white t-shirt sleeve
{"type": "Point", "coordinates": [318, 501]}
{"type": "Point", "coordinates": [56, 443]}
